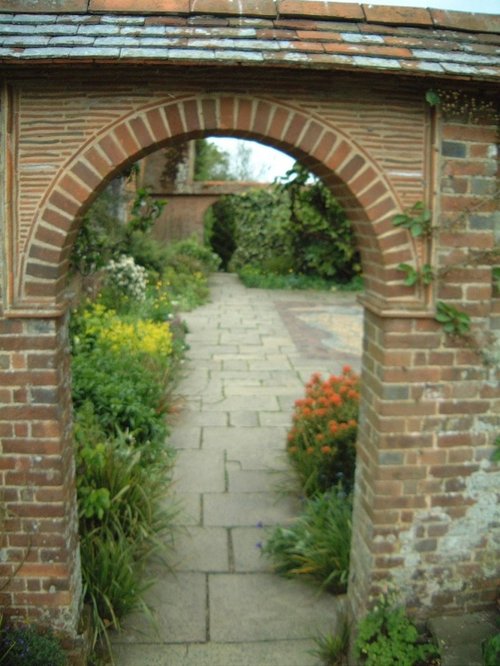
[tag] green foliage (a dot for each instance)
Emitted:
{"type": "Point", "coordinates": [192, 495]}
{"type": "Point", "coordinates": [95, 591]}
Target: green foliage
{"type": "Point", "coordinates": [113, 582]}
{"type": "Point", "coordinates": [322, 238]}
{"type": "Point", "coordinates": [453, 321]}
{"type": "Point", "coordinates": [26, 646]}
{"type": "Point", "coordinates": [332, 649]}
{"type": "Point", "coordinates": [496, 452]}
{"type": "Point", "coordinates": [417, 219]}
{"type": "Point", "coordinates": [253, 277]}
{"type": "Point", "coordinates": [317, 545]}
{"type": "Point", "coordinates": [432, 98]}
{"type": "Point", "coordinates": [124, 397]}
{"type": "Point", "coordinates": [491, 650]}
{"type": "Point", "coordinates": [413, 276]}
{"type": "Point", "coordinates": [386, 637]}
{"type": "Point", "coordinates": [219, 229]}
{"type": "Point", "coordinates": [208, 261]}
{"type": "Point", "coordinates": [495, 271]}
{"type": "Point", "coordinates": [321, 442]}
{"type": "Point", "coordinates": [261, 227]}
{"type": "Point", "coordinates": [210, 162]}
{"type": "Point", "coordinates": [103, 236]}
{"type": "Point", "coordinates": [122, 474]}
{"type": "Point", "coordinates": [292, 227]}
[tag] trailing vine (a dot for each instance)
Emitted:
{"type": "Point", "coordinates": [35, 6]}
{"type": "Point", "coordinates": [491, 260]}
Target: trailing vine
{"type": "Point", "coordinates": [455, 322]}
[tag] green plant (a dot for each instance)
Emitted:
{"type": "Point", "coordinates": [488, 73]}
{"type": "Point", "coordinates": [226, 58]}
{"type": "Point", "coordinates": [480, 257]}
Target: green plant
{"type": "Point", "coordinates": [496, 279]}
{"type": "Point", "coordinates": [453, 321]}
{"type": "Point", "coordinates": [413, 276]}
{"type": "Point", "coordinates": [321, 442]}
{"type": "Point", "coordinates": [491, 650]}
{"type": "Point", "coordinates": [317, 546]}
{"type": "Point", "coordinates": [417, 219]}
{"type": "Point", "coordinates": [124, 518]}
{"type": "Point", "coordinates": [321, 236]}
{"type": "Point", "coordinates": [113, 579]}
{"type": "Point", "coordinates": [123, 368]}
{"type": "Point", "coordinates": [24, 645]}
{"type": "Point", "coordinates": [496, 452]}
{"type": "Point", "coordinates": [332, 649]}
{"type": "Point", "coordinates": [103, 236]}
{"type": "Point", "coordinates": [387, 637]}
{"type": "Point", "coordinates": [125, 282]}
{"type": "Point", "coordinates": [208, 261]}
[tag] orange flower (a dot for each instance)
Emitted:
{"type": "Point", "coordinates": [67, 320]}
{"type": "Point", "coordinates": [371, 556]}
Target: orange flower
{"type": "Point", "coordinates": [326, 449]}
{"type": "Point", "coordinates": [347, 370]}
{"type": "Point", "coordinates": [335, 399]}
{"type": "Point", "coordinates": [310, 450]}
{"type": "Point", "coordinates": [333, 426]}
{"type": "Point", "coordinates": [320, 437]}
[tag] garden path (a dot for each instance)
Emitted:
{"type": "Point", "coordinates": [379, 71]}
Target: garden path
{"type": "Point", "coordinates": [251, 351]}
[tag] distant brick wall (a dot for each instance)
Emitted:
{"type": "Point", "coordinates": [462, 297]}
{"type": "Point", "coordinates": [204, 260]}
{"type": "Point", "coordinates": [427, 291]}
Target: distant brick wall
{"type": "Point", "coordinates": [424, 508]}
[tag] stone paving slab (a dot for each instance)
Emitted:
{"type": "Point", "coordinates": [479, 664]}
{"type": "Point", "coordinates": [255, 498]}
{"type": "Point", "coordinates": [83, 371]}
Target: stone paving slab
{"type": "Point", "coordinates": [259, 460]}
{"type": "Point", "coordinates": [247, 555]}
{"type": "Point", "coordinates": [229, 510]}
{"type": "Point", "coordinates": [243, 438]}
{"type": "Point", "coordinates": [185, 437]}
{"type": "Point", "coordinates": [202, 549]}
{"type": "Point", "coordinates": [199, 471]}
{"type": "Point", "coordinates": [190, 508]}
{"type": "Point", "coordinates": [178, 603]}
{"type": "Point", "coordinates": [243, 403]}
{"type": "Point", "coordinates": [262, 606]}
{"type": "Point", "coordinates": [246, 481]}
{"type": "Point", "coordinates": [266, 653]}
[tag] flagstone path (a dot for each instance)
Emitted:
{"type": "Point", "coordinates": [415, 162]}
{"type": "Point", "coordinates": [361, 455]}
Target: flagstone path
{"type": "Point", "coordinates": [251, 351]}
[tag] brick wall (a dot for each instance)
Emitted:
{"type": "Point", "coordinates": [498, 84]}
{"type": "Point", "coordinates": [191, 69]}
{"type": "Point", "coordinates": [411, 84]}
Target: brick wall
{"type": "Point", "coordinates": [424, 509]}
{"type": "Point", "coordinates": [39, 558]}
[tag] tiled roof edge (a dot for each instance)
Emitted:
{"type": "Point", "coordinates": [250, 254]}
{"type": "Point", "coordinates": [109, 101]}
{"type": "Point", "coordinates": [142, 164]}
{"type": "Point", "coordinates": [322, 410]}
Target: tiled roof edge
{"type": "Point", "coordinates": [310, 9]}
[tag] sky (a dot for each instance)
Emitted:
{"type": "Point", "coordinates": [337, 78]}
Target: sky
{"type": "Point", "coordinates": [269, 164]}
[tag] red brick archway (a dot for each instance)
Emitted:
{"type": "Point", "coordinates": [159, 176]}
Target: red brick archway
{"type": "Point", "coordinates": [351, 173]}
{"type": "Point", "coordinates": [350, 104]}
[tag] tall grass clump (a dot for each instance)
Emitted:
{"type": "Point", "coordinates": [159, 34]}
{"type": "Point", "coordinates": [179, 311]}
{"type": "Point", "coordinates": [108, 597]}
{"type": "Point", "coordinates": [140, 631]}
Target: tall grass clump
{"type": "Point", "coordinates": [321, 450]}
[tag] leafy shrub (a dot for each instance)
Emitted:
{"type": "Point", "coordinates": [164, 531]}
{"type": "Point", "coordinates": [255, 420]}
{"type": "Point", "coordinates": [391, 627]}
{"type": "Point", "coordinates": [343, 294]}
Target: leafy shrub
{"type": "Point", "coordinates": [322, 238]}
{"type": "Point", "coordinates": [103, 236]}
{"type": "Point", "coordinates": [219, 230]}
{"type": "Point", "coordinates": [321, 442]}
{"type": "Point", "coordinates": [255, 277]}
{"type": "Point", "coordinates": [261, 229]}
{"type": "Point", "coordinates": [25, 646]}
{"type": "Point", "coordinates": [188, 290]}
{"type": "Point", "coordinates": [127, 390]}
{"type": "Point", "coordinates": [124, 280]}
{"type": "Point", "coordinates": [296, 226]}
{"type": "Point", "coordinates": [317, 545]}
{"type": "Point", "coordinates": [208, 260]}
{"type": "Point", "coordinates": [386, 637]}
{"type": "Point", "coordinates": [491, 650]}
